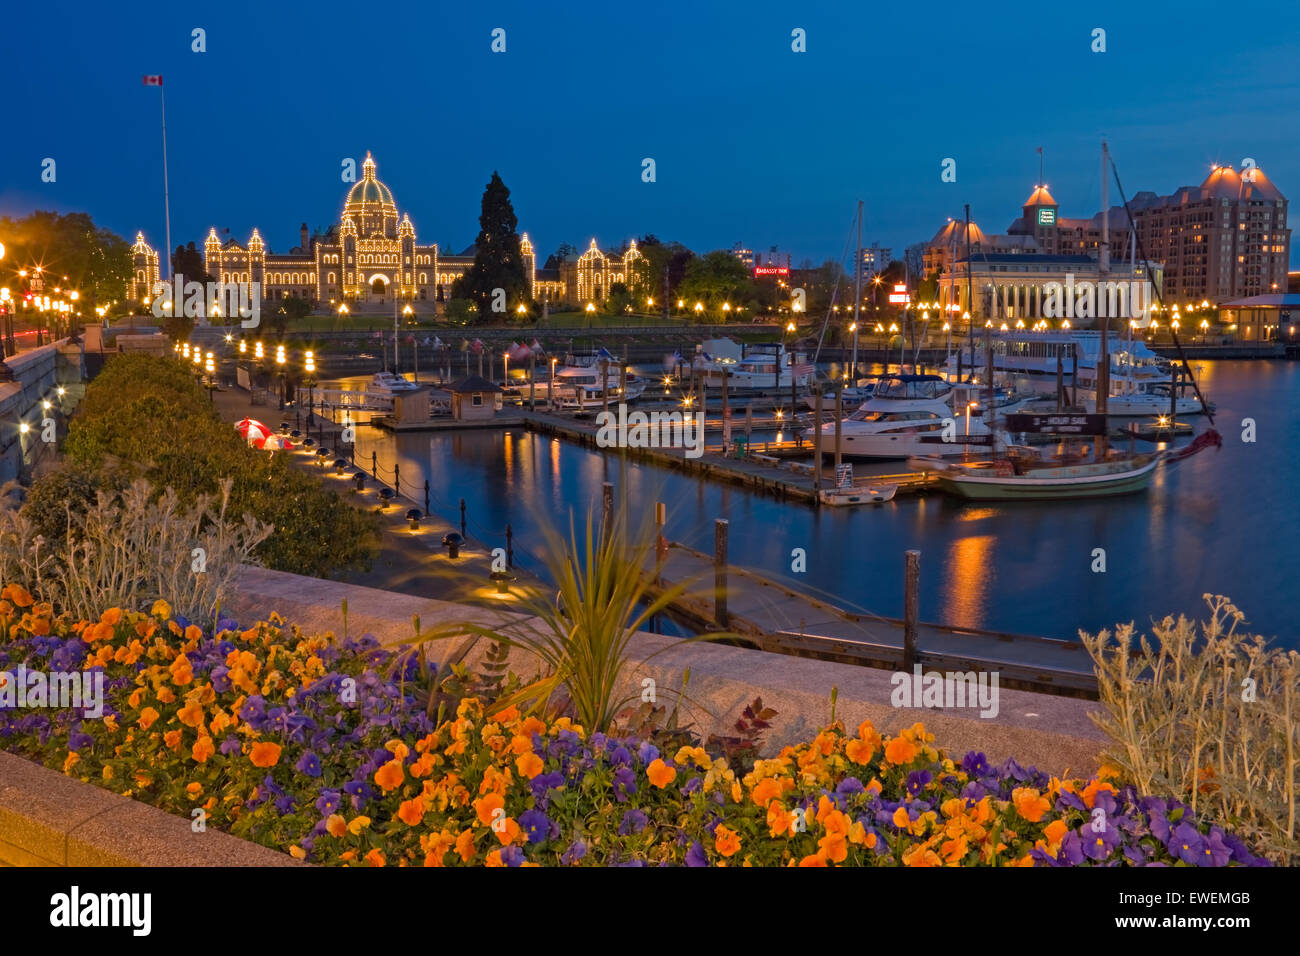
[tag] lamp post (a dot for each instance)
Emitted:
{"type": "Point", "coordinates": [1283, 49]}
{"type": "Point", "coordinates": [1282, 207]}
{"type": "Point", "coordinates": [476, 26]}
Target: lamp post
{"type": "Point", "coordinates": [279, 361]}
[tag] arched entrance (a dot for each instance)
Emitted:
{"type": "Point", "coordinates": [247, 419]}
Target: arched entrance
{"type": "Point", "coordinates": [379, 284]}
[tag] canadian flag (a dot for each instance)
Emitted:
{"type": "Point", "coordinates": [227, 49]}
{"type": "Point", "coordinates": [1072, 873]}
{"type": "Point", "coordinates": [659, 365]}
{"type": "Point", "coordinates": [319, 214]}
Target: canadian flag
{"type": "Point", "coordinates": [154, 79]}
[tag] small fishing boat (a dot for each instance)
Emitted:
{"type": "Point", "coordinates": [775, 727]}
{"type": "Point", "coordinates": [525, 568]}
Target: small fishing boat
{"type": "Point", "coordinates": [858, 494]}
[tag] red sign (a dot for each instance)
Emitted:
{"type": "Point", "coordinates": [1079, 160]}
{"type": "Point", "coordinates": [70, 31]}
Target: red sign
{"type": "Point", "coordinates": [899, 295]}
{"type": "Point", "coordinates": [771, 271]}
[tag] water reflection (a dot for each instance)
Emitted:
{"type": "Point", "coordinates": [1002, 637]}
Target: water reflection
{"type": "Point", "coordinates": [1221, 522]}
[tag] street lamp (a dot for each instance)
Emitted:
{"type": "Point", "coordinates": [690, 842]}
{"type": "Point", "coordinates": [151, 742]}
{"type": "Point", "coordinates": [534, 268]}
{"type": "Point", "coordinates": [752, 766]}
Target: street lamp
{"type": "Point", "coordinates": [279, 361]}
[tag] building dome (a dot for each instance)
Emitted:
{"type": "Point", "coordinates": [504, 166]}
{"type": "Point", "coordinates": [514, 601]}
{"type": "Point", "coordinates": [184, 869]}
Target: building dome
{"type": "Point", "coordinates": [955, 231]}
{"type": "Point", "coordinates": [1224, 182]}
{"type": "Point", "coordinates": [370, 204]}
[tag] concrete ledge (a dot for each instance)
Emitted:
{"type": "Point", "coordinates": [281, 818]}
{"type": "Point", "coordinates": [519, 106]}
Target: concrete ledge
{"type": "Point", "coordinates": [1050, 732]}
{"type": "Point", "coordinates": [48, 819]}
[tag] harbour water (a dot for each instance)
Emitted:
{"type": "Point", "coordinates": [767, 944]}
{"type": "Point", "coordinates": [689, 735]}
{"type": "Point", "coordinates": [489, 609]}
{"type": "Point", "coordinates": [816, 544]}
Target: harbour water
{"type": "Point", "coordinates": [1222, 522]}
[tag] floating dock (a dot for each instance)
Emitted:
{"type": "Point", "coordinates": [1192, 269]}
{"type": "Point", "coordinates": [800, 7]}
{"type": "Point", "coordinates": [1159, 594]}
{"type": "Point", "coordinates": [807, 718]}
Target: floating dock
{"type": "Point", "coordinates": [775, 617]}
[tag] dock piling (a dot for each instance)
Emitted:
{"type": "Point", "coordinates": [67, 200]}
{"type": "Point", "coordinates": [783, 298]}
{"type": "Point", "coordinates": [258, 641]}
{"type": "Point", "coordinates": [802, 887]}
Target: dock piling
{"type": "Point", "coordinates": [462, 517]}
{"type": "Point", "coordinates": [661, 542]}
{"type": "Point", "coordinates": [911, 608]}
{"type": "Point", "coordinates": [720, 571]}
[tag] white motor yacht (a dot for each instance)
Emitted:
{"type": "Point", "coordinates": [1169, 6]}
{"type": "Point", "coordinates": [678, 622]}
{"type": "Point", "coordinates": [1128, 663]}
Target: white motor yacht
{"type": "Point", "coordinates": [390, 383]}
{"type": "Point", "coordinates": [907, 415]}
{"type": "Point", "coordinates": [580, 386]}
{"type": "Point", "coordinates": [762, 368]}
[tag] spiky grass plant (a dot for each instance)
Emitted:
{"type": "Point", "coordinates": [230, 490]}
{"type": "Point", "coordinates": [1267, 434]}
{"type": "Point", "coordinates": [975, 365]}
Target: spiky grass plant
{"type": "Point", "coordinates": [1207, 716]}
{"type": "Point", "coordinates": [132, 549]}
{"type": "Point", "coordinates": [603, 595]}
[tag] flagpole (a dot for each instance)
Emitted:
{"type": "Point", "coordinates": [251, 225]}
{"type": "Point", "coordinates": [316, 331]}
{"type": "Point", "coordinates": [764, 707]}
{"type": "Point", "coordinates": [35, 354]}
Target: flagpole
{"type": "Point", "coordinates": [167, 209]}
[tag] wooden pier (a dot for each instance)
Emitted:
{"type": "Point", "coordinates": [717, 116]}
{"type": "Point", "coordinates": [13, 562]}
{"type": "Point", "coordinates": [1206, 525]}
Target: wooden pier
{"type": "Point", "coordinates": [775, 617]}
{"type": "Point", "coordinates": [763, 469]}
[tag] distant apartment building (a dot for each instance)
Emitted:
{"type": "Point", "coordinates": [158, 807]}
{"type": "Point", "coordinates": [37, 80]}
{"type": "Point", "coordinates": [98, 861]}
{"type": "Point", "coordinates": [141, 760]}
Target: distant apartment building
{"type": "Point", "coordinates": [744, 255]}
{"type": "Point", "coordinates": [1224, 239]}
{"type": "Point", "coordinates": [873, 260]}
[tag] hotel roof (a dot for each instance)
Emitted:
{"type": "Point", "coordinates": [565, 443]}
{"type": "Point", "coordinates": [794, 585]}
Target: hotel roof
{"type": "Point", "coordinates": [1040, 197]}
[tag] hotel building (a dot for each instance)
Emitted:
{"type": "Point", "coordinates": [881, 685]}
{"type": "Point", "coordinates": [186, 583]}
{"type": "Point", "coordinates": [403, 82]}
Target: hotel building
{"type": "Point", "coordinates": [1222, 240]}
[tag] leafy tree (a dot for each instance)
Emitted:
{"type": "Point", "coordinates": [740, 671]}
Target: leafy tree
{"type": "Point", "coordinates": [461, 311]}
{"type": "Point", "coordinates": [289, 309]}
{"type": "Point", "coordinates": [661, 257]}
{"type": "Point", "coordinates": [498, 262]}
{"type": "Point", "coordinates": [97, 262]}
{"type": "Point", "coordinates": [714, 278]}
{"type": "Point", "coordinates": [619, 299]}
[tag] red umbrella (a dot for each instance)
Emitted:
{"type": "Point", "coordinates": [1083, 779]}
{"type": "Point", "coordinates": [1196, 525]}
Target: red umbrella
{"type": "Point", "coordinates": [272, 443]}
{"type": "Point", "coordinates": [252, 431]}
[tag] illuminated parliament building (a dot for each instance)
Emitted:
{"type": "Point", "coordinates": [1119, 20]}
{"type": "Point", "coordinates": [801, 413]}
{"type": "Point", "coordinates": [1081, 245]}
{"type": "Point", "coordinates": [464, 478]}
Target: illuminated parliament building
{"type": "Point", "coordinates": [372, 256]}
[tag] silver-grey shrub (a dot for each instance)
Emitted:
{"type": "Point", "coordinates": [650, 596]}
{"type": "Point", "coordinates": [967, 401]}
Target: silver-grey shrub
{"type": "Point", "coordinates": [131, 549]}
{"type": "Point", "coordinates": [1207, 715]}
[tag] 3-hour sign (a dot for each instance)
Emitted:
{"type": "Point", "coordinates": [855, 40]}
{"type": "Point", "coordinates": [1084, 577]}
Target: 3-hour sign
{"type": "Point", "coordinates": [1063, 424]}
{"type": "Point", "coordinates": [899, 296]}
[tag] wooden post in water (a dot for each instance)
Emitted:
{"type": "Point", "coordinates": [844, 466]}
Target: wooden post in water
{"type": "Point", "coordinates": [911, 602]}
{"type": "Point", "coordinates": [1060, 380]}
{"type": "Point", "coordinates": [532, 381]}
{"type": "Point", "coordinates": [1175, 375]}
{"type": "Point", "coordinates": [817, 440]}
{"type": "Point", "coordinates": [749, 424]}
{"type": "Point", "coordinates": [720, 571]}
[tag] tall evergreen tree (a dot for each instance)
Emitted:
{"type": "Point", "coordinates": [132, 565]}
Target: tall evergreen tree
{"type": "Point", "coordinates": [498, 262]}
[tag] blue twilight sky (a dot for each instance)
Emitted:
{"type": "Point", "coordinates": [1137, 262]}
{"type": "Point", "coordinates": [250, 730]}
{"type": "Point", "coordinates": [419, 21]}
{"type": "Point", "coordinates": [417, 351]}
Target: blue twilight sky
{"type": "Point", "coordinates": [751, 141]}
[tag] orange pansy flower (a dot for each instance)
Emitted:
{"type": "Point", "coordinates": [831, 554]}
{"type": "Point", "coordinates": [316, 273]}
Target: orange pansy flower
{"type": "Point", "coordinates": [529, 765]}
{"type": "Point", "coordinates": [390, 775]}
{"type": "Point", "coordinates": [411, 811]}
{"type": "Point", "coordinates": [900, 751]}
{"type": "Point", "coordinates": [1029, 804]}
{"type": "Point", "coordinates": [660, 774]}
{"type": "Point", "coordinates": [725, 840]}
{"type": "Point", "coordinates": [486, 807]}
{"type": "Point", "coordinates": [265, 754]}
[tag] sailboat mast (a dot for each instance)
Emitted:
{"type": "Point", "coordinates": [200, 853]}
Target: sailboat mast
{"type": "Point", "coordinates": [970, 299]}
{"type": "Point", "coordinates": [1102, 378]}
{"type": "Point", "coordinates": [857, 297]}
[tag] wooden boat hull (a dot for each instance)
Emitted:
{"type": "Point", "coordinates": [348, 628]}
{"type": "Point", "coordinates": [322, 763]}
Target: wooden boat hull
{"type": "Point", "coordinates": [1041, 487]}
